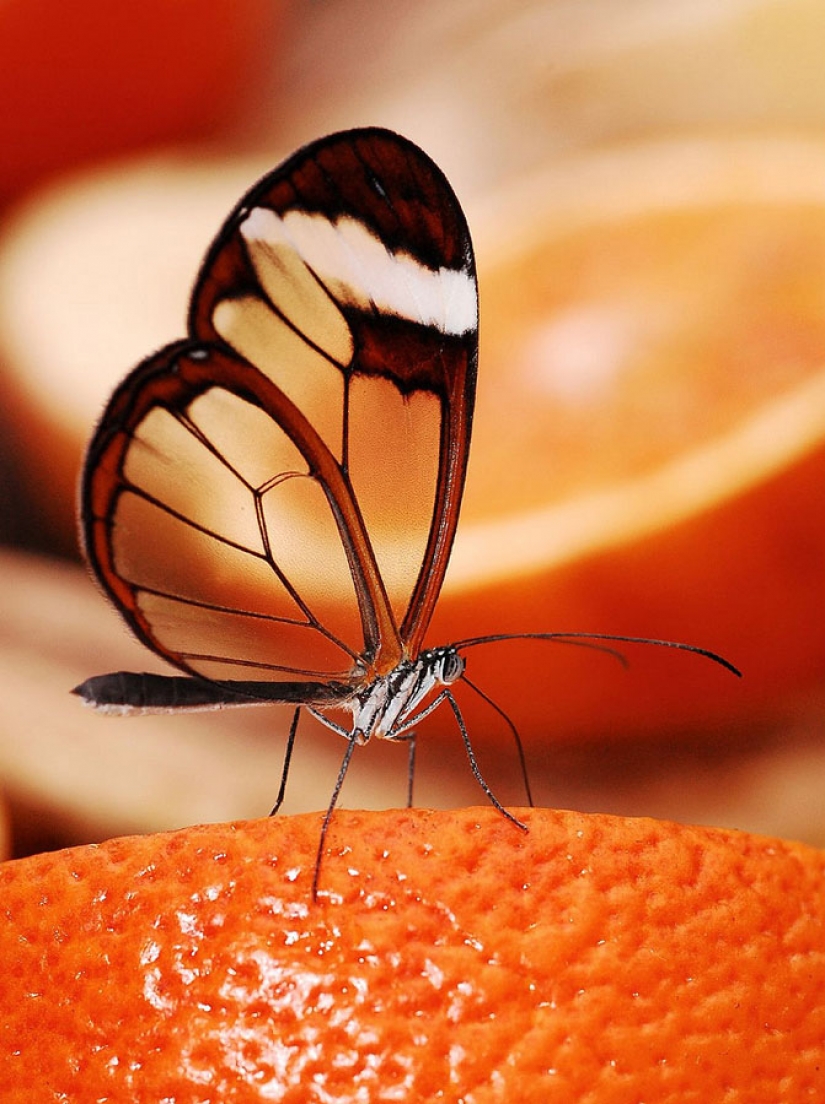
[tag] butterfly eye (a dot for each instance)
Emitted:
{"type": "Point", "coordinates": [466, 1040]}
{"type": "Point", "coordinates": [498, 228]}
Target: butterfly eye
{"type": "Point", "coordinates": [452, 666]}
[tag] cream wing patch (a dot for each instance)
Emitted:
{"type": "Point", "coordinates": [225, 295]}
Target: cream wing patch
{"type": "Point", "coordinates": [358, 270]}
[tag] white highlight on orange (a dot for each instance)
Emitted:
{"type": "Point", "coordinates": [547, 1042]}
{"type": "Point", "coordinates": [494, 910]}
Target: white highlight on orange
{"type": "Point", "coordinates": [358, 270]}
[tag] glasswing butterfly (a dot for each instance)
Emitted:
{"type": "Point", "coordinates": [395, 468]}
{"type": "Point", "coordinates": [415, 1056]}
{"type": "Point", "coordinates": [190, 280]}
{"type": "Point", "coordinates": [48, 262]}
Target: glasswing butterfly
{"type": "Point", "coordinates": [271, 502]}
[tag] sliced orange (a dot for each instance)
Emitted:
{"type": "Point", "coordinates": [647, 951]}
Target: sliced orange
{"type": "Point", "coordinates": [449, 956]}
{"type": "Point", "coordinates": [97, 80]}
{"type": "Point", "coordinates": [649, 450]}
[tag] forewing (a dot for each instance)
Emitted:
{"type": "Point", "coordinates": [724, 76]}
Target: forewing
{"type": "Point", "coordinates": [347, 278]}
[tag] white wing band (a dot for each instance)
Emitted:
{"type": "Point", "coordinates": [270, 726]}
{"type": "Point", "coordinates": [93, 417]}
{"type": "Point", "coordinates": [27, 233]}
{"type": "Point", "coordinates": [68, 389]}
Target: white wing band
{"type": "Point", "coordinates": [358, 270]}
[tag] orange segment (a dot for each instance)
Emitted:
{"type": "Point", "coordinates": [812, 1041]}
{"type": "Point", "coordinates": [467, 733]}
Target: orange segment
{"type": "Point", "coordinates": [450, 956]}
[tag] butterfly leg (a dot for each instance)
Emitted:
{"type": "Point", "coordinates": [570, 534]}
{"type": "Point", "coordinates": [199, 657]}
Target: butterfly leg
{"type": "Point", "coordinates": [333, 801]}
{"type": "Point", "coordinates": [290, 744]}
{"type": "Point", "coordinates": [411, 745]}
{"type": "Point", "coordinates": [465, 736]}
{"type": "Point", "coordinates": [515, 734]}
{"type": "Point", "coordinates": [330, 724]}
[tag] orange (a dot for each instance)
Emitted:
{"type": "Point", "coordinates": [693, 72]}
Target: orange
{"type": "Point", "coordinates": [96, 80]}
{"type": "Point", "coordinates": [649, 447]}
{"type": "Point", "coordinates": [449, 956]}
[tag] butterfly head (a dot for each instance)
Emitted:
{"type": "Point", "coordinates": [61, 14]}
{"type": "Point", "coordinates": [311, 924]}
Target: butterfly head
{"type": "Point", "coordinates": [391, 705]}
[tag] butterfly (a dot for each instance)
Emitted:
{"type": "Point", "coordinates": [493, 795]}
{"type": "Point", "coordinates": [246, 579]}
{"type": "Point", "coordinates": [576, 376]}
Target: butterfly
{"type": "Point", "coordinates": [271, 502]}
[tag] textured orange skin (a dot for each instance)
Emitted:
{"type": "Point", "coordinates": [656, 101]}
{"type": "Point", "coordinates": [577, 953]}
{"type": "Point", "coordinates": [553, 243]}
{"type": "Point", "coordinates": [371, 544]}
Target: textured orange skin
{"type": "Point", "coordinates": [450, 956]}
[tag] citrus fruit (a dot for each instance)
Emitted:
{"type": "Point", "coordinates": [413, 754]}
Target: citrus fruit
{"type": "Point", "coordinates": [649, 448]}
{"type": "Point", "coordinates": [448, 956]}
{"type": "Point", "coordinates": [97, 80]}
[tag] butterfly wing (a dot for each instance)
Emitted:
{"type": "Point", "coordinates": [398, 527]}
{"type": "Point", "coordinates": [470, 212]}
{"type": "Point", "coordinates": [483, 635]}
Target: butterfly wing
{"type": "Point", "coordinates": [271, 504]}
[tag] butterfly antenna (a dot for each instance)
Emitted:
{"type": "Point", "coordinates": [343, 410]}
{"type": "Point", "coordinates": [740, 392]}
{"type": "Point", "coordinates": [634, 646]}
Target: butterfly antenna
{"type": "Point", "coordinates": [465, 736]}
{"type": "Point", "coordinates": [556, 638]}
{"type": "Point", "coordinates": [290, 744]}
{"type": "Point", "coordinates": [333, 801]}
{"type": "Point", "coordinates": [591, 640]}
{"type": "Point", "coordinates": [515, 732]}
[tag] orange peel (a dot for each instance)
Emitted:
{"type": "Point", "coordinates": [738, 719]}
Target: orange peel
{"type": "Point", "coordinates": [595, 958]}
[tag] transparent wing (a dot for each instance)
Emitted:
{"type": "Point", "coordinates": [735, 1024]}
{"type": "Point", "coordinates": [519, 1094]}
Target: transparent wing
{"type": "Point", "coordinates": [275, 500]}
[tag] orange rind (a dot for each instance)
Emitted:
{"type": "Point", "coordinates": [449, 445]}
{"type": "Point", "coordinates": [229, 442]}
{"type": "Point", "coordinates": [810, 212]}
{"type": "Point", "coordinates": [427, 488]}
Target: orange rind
{"type": "Point", "coordinates": [448, 955]}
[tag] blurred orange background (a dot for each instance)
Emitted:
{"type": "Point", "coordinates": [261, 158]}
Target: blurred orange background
{"type": "Point", "coordinates": [645, 185]}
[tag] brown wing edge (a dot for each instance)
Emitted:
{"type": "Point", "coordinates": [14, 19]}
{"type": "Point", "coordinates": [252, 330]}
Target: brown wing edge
{"type": "Point", "coordinates": [456, 425]}
{"type": "Point", "coordinates": [372, 174]}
